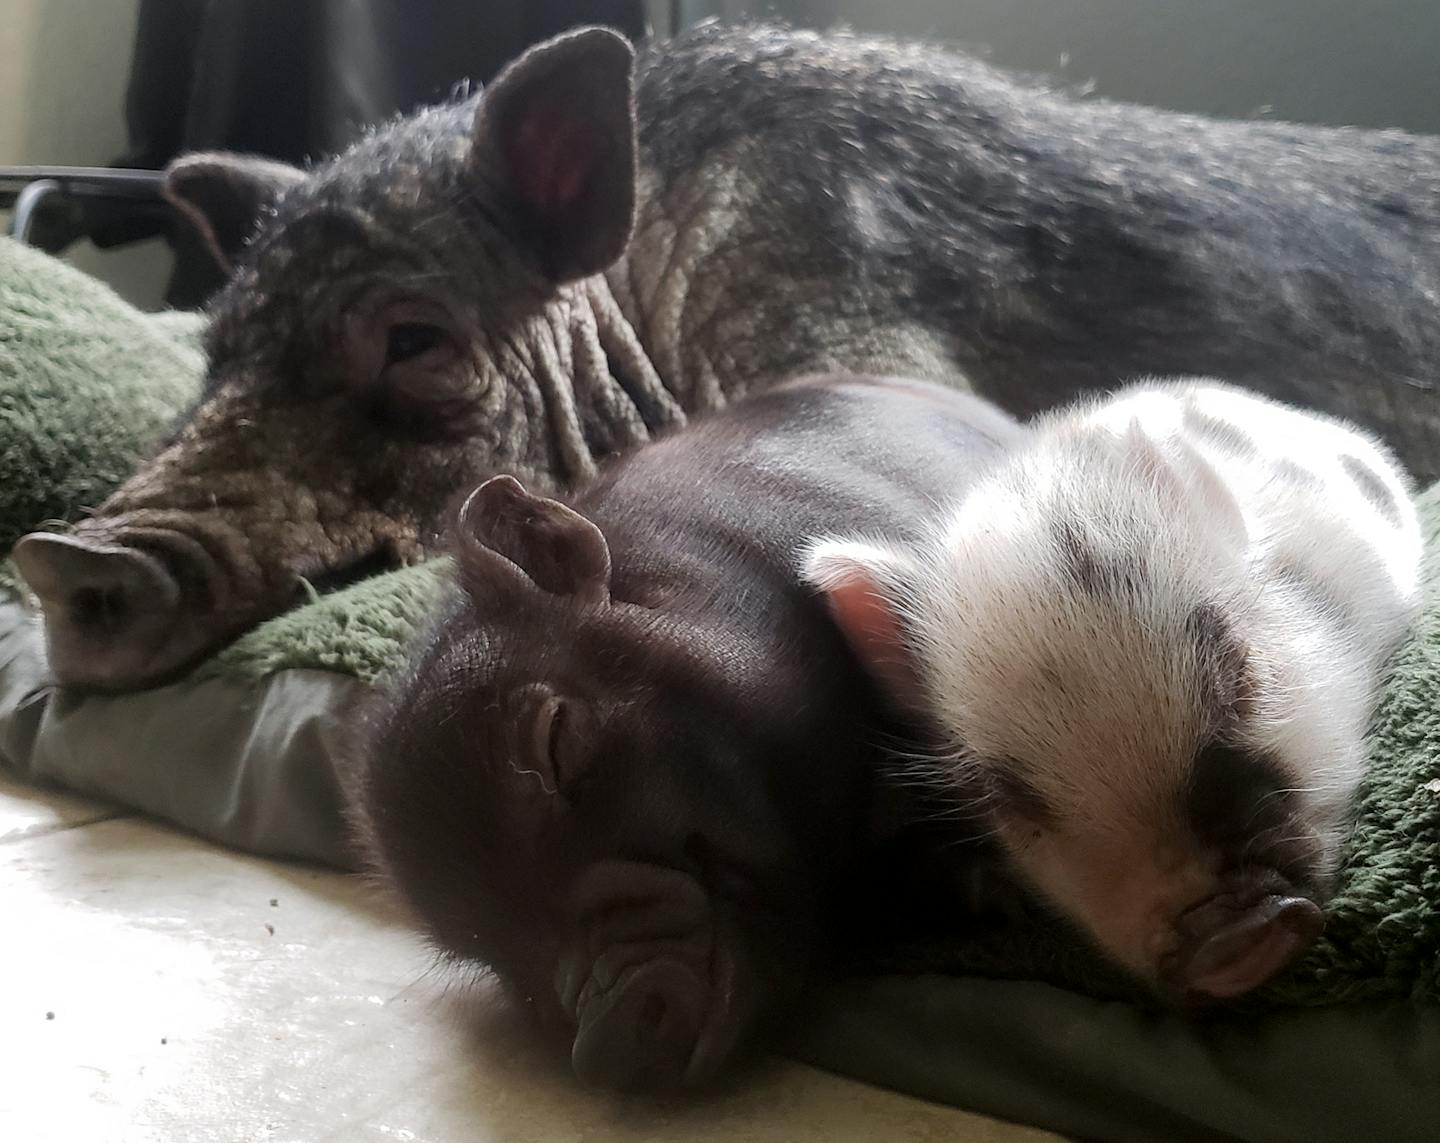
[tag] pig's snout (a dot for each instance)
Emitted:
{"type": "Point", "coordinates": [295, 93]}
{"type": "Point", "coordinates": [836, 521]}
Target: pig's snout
{"type": "Point", "coordinates": [110, 611]}
{"type": "Point", "coordinates": [648, 982]}
{"type": "Point", "coordinates": [639, 1034]}
{"type": "Point", "coordinates": [1235, 942]}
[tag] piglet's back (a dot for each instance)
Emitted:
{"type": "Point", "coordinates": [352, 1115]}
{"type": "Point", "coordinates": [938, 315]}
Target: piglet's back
{"type": "Point", "coordinates": [867, 454]}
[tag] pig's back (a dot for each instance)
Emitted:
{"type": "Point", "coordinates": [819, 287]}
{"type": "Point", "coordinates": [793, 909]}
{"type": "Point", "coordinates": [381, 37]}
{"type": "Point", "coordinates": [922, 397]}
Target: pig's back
{"type": "Point", "coordinates": [826, 454]}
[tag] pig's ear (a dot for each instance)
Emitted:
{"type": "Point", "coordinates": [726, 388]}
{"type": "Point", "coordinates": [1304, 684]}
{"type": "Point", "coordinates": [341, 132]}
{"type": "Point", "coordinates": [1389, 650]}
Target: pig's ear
{"type": "Point", "coordinates": [223, 196]}
{"type": "Point", "coordinates": [862, 584]}
{"type": "Point", "coordinates": [1222, 512]}
{"type": "Point", "coordinates": [556, 548]}
{"type": "Point", "coordinates": [1179, 472]}
{"type": "Point", "coordinates": [556, 130]}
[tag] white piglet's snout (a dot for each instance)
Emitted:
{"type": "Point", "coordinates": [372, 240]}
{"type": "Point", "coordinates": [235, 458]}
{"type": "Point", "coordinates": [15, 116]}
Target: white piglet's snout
{"type": "Point", "coordinates": [1155, 635]}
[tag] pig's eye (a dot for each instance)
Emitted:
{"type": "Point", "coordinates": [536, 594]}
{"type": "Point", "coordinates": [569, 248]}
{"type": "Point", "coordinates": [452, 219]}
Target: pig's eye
{"type": "Point", "coordinates": [423, 384]}
{"type": "Point", "coordinates": [405, 341]}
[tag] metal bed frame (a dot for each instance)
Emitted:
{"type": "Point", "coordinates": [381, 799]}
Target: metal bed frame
{"type": "Point", "coordinates": [54, 206]}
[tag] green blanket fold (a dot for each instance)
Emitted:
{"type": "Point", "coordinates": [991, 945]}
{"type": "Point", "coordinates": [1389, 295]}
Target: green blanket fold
{"type": "Point", "coordinates": [1344, 1073]}
{"type": "Point", "coordinates": [1382, 938]}
{"type": "Point", "coordinates": [361, 631]}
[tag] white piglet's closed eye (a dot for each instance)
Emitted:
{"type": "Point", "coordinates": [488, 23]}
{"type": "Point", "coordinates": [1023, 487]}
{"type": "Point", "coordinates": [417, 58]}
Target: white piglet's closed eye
{"type": "Point", "coordinates": [862, 585]}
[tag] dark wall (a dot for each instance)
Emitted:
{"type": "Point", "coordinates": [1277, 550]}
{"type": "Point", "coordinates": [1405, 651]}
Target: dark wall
{"type": "Point", "coordinates": [1373, 63]}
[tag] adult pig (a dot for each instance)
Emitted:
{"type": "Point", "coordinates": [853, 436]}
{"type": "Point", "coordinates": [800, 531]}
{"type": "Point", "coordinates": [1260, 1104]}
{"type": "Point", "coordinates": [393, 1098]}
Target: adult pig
{"type": "Point", "coordinates": [631, 769]}
{"type": "Point", "coordinates": [597, 246]}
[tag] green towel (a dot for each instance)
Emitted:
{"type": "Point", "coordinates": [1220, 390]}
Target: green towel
{"type": "Point", "coordinates": [361, 630]}
{"type": "Point", "coordinates": [1383, 936]}
{"type": "Point", "coordinates": [88, 384]}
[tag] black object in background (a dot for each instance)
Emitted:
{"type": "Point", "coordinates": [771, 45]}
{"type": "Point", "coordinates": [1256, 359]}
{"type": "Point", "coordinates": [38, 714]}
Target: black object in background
{"type": "Point", "coordinates": [299, 79]}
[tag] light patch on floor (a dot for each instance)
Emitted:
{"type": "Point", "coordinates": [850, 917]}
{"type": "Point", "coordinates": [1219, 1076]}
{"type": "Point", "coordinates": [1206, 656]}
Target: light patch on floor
{"type": "Point", "coordinates": [157, 988]}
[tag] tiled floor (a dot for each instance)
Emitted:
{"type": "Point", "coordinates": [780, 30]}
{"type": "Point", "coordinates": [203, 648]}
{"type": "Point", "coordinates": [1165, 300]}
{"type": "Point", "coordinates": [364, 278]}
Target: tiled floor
{"type": "Point", "coordinates": [157, 988]}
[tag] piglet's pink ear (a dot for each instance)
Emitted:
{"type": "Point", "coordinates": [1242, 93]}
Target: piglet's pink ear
{"type": "Point", "coordinates": [556, 548]}
{"type": "Point", "coordinates": [860, 582]}
{"type": "Point", "coordinates": [1182, 476]}
{"type": "Point", "coordinates": [555, 135]}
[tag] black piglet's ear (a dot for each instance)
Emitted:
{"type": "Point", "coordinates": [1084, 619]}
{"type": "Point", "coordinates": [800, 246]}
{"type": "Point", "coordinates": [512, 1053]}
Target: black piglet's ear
{"type": "Point", "coordinates": [556, 548]}
{"type": "Point", "coordinates": [556, 132]}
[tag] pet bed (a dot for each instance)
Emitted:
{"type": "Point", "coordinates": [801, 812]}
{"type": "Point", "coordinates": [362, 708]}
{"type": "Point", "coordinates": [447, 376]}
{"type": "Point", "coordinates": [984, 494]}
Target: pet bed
{"type": "Point", "coordinates": [249, 750]}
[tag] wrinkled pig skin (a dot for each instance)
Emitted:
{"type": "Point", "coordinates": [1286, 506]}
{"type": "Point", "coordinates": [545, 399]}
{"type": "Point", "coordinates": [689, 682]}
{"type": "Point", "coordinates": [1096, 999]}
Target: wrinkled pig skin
{"type": "Point", "coordinates": [633, 769]}
{"type": "Point", "coordinates": [599, 245]}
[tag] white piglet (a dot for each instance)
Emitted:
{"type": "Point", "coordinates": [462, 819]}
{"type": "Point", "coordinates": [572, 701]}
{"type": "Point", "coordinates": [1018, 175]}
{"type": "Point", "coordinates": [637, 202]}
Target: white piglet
{"type": "Point", "coordinates": [1153, 639]}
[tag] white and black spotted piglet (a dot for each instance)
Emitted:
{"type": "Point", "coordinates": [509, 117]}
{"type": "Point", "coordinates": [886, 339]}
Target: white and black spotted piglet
{"type": "Point", "coordinates": [1154, 638]}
